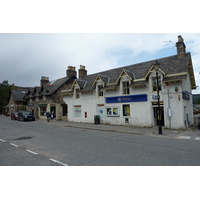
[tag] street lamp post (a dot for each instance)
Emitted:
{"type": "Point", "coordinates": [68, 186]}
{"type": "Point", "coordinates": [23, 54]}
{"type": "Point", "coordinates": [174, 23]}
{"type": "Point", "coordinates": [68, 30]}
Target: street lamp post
{"type": "Point", "coordinates": [156, 67]}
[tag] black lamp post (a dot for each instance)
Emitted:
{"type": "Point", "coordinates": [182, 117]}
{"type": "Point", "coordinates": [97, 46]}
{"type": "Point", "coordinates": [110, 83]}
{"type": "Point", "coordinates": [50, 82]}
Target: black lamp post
{"type": "Point", "coordinates": [156, 67]}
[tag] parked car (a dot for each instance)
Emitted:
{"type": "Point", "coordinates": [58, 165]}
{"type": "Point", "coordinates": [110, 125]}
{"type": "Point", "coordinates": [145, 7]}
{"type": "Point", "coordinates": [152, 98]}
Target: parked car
{"type": "Point", "coordinates": [25, 116]}
{"type": "Point", "coordinates": [14, 116]}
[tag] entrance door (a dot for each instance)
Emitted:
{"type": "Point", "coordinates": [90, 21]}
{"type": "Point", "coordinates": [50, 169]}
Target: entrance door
{"type": "Point", "coordinates": [53, 109]}
{"type": "Point", "coordinates": [155, 111]}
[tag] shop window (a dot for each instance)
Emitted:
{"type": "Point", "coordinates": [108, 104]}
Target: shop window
{"type": "Point", "coordinates": [77, 113]}
{"type": "Point", "coordinates": [154, 84]}
{"type": "Point", "coordinates": [126, 110]}
{"type": "Point", "coordinates": [100, 87]}
{"type": "Point", "coordinates": [43, 111]}
{"type": "Point", "coordinates": [126, 89]}
{"type": "Point", "coordinates": [113, 111]}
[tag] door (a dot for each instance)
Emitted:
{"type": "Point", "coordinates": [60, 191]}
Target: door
{"type": "Point", "coordinates": [53, 110]}
{"type": "Point", "coordinates": [156, 118]}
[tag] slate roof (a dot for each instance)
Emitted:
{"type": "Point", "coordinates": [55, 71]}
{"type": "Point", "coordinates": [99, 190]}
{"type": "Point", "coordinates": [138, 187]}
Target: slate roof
{"type": "Point", "coordinates": [172, 65]}
{"type": "Point", "coordinates": [18, 93]}
{"type": "Point", "coordinates": [51, 88]}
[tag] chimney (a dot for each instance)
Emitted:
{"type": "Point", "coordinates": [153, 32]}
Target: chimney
{"type": "Point", "coordinates": [71, 71]}
{"type": "Point", "coordinates": [44, 80]}
{"type": "Point", "coordinates": [82, 71]}
{"type": "Point", "coordinates": [180, 47]}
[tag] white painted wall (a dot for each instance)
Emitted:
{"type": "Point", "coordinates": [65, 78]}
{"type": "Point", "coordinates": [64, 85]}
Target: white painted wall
{"type": "Point", "coordinates": [141, 112]}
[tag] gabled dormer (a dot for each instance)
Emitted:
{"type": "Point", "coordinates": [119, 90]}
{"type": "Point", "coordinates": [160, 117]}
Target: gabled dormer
{"type": "Point", "coordinates": [104, 79]}
{"type": "Point", "coordinates": [127, 73]}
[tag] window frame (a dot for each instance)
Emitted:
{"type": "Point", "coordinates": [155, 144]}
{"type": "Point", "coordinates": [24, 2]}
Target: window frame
{"type": "Point", "coordinates": [100, 91]}
{"type": "Point", "coordinates": [154, 84]}
{"type": "Point", "coordinates": [128, 111]}
{"type": "Point", "coordinates": [125, 88]}
{"type": "Point", "coordinates": [112, 111]}
{"type": "Point", "coordinates": [77, 93]}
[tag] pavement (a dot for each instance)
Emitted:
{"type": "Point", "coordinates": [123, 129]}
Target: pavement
{"type": "Point", "coordinates": [127, 129]}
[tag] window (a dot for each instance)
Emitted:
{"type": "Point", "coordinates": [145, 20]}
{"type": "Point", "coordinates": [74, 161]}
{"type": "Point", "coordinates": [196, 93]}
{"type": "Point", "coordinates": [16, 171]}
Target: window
{"type": "Point", "coordinates": [126, 110]}
{"type": "Point", "coordinates": [113, 111]}
{"type": "Point", "coordinates": [154, 84]}
{"type": "Point", "coordinates": [77, 110]}
{"type": "Point", "coordinates": [64, 110]}
{"type": "Point", "coordinates": [77, 94]}
{"type": "Point", "coordinates": [100, 87]}
{"type": "Point", "coordinates": [43, 110]}
{"type": "Point", "coordinates": [125, 86]}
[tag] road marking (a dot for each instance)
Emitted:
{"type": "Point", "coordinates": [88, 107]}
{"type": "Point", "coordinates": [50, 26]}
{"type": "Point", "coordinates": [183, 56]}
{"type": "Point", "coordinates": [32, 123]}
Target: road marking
{"type": "Point", "coordinates": [31, 152]}
{"type": "Point", "coordinates": [14, 145]}
{"type": "Point", "coordinates": [2, 140]}
{"type": "Point", "coordinates": [58, 162]}
{"type": "Point", "coordinates": [197, 138]}
{"type": "Point", "coordinates": [184, 137]}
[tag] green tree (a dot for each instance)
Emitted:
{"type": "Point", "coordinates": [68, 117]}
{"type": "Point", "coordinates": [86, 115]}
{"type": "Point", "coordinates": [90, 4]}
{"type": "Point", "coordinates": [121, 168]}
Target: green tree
{"type": "Point", "coordinates": [4, 94]}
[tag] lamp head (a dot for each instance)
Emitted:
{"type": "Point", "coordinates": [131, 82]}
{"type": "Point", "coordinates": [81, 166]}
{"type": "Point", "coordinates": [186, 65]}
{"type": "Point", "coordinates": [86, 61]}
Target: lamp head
{"type": "Point", "coordinates": [156, 65]}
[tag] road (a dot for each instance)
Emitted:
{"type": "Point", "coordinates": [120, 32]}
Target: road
{"type": "Point", "coordinates": [39, 144]}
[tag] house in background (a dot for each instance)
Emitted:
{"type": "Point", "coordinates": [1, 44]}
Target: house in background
{"type": "Point", "coordinates": [44, 98]}
{"type": "Point", "coordinates": [17, 101]}
{"type": "Point", "coordinates": [47, 98]}
{"type": "Point", "coordinates": [128, 95]}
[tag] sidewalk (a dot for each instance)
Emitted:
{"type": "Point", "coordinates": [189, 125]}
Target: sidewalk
{"type": "Point", "coordinates": [124, 129]}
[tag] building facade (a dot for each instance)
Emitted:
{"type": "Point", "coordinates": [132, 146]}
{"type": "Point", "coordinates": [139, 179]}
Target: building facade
{"type": "Point", "coordinates": [44, 98]}
{"type": "Point", "coordinates": [128, 95]}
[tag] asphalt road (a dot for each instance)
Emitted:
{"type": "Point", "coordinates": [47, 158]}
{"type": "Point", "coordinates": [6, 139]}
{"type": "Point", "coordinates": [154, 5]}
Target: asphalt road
{"type": "Point", "coordinates": [37, 144]}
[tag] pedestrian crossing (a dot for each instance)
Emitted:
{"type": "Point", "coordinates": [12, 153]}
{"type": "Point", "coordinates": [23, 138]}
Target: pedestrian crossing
{"type": "Point", "coordinates": [185, 137]}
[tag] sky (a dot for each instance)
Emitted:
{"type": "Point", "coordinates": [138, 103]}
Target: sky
{"type": "Point", "coordinates": [25, 57]}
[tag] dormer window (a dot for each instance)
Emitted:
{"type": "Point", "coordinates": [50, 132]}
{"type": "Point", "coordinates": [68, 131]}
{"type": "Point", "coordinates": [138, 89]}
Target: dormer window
{"type": "Point", "coordinates": [125, 87]}
{"type": "Point", "coordinates": [77, 94]}
{"type": "Point", "coordinates": [100, 91]}
{"type": "Point", "coordinates": [154, 84]}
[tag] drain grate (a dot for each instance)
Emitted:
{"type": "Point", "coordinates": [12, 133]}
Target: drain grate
{"type": "Point", "coordinates": [23, 138]}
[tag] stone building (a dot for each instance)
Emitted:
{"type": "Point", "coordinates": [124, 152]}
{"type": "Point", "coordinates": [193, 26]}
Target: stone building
{"type": "Point", "coordinates": [47, 98]}
{"type": "Point", "coordinates": [43, 98]}
{"type": "Point", "coordinates": [17, 101]}
{"type": "Point", "coordinates": [128, 95]}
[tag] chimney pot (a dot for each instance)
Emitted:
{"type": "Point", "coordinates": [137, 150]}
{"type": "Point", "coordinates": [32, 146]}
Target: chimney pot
{"type": "Point", "coordinates": [44, 80]}
{"type": "Point", "coordinates": [82, 71]}
{"type": "Point", "coordinates": [71, 71]}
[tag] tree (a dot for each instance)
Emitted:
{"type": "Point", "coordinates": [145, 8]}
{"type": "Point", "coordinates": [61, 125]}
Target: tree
{"type": "Point", "coordinates": [4, 94]}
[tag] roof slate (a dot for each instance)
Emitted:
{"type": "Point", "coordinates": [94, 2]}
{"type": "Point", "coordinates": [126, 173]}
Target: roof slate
{"type": "Point", "coordinates": [169, 65]}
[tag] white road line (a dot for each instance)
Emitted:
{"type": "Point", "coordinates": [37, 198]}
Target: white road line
{"type": "Point", "coordinates": [197, 138]}
{"type": "Point", "coordinates": [14, 145]}
{"type": "Point", "coordinates": [2, 140]}
{"type": "Point", "coordinates": [58, 162]}
{"type": "Point", "coordinates": [184, 137]}
{"type": "Point", "coordinates": [31, 152]}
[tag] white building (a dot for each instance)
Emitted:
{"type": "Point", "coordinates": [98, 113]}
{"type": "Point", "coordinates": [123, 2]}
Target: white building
{"type": "Point", "coordinates": [128, 95]}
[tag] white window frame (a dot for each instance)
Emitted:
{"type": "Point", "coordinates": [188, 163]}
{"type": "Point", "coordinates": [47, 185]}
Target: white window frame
{"type": "Point", "coordinates": [100, 91]}
{"type": "Point", "coordinates": [112, 111]}
{"type": "Point", "coordinates": [126, 88]}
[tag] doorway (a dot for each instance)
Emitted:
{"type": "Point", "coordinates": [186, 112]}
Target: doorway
{"type": "Point", "coordinates": [155, 114]}
{"type": "Point", "coordinates": [53, 110]}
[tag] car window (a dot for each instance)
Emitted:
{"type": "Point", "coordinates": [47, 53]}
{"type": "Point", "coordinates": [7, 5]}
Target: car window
{"type": "Point", "coordinates": [26, 113]}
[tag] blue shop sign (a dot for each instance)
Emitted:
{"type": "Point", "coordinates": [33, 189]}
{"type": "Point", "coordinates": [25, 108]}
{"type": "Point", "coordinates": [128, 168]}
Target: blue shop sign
{"type": "Point", "coordinates": [186, 95]}
{"type": "Point", "coordinates": [130, 98]}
